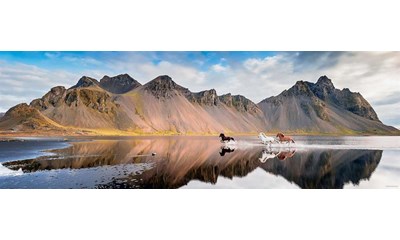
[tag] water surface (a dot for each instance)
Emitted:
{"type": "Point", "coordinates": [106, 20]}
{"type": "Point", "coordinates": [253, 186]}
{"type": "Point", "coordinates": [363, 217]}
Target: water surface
{"type": "Point", "coordinates": [200, 162]}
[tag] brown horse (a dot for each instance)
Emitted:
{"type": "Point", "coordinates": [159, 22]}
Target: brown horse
{"type": "Point", "coordinates": [283, 138]}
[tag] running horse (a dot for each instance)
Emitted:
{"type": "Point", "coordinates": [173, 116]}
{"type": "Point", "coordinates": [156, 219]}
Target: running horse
{"type": "Point", "coordinates": [226, 138]}
{"type": "Point", "coordinates": [283, 138]}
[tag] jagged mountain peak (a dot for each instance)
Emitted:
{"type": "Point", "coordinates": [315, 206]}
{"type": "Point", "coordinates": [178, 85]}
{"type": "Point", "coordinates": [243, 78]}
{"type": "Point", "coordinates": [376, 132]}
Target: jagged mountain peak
{"type": "Point", "coordinates": [163, 80]}
{"type": "Point", "coordinates": [211, 92]}
{"type": "Point", "coordinates": [325, 82]}
{"type": "Point", "coordinates": [323, 88]}
{"type": "Point", "coordinates": [299, 89]}
{"type": "Point", "coordinates": [119, 84]}
{"type": "Point", "coordinates": [86, 82]}
{"type": "Point", "coordinates": [52, 98]}
{"type": "Point", "coordinates": [57, 90]}
{"type": "Point", "coordinates": [164, 86]}
{"type": "Point", "coordinates": [119, 77]}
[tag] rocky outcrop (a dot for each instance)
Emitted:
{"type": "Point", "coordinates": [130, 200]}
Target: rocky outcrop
{"type": "Point", "coordinates": [86, 82]}
{"type": "Point", "coordinates": [240, 103]}
{"type": "Point", "coordinates": [205, 98]}
{"type": "Point", "coordinates": [58, 96]}
{"type": "Point", "coordinates": [53, 98]}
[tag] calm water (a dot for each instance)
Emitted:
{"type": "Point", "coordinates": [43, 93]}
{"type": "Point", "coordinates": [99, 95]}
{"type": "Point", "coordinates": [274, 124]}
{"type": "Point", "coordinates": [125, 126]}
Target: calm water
{"type": "Point", "coordinates": [200, 162]}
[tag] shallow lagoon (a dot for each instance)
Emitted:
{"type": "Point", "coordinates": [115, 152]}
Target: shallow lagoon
{"type": "Point", "coordinates": [200, 162]}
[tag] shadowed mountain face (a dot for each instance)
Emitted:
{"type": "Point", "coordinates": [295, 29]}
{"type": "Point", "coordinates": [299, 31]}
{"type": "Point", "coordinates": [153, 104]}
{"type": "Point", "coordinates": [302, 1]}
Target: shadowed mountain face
{"type": "Point", "coordinates": [1, 115]}
{"type": "Point", "coordinates": [179, 160]}
{"type": "Point", "coordinates": [320, 107]}
{"type": "Point", "coordinates": [119, 84]}
{"type": "Point", "coordinates": [121, 103]}
{"type": "Point", "coordinates": [346, 99]}
{"type": "Point", "coordinates": [163, 87]}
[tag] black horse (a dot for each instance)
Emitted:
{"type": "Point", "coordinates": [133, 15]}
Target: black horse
{"type": "Point", "coordinates": [225, 138]}
{"type": "Point", "coordinates": [225, 150]}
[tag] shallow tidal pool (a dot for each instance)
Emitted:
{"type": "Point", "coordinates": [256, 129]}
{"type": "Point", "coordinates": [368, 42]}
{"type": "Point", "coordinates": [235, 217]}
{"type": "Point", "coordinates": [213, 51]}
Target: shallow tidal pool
{"type": "Point", "coordinates": [200, 162]}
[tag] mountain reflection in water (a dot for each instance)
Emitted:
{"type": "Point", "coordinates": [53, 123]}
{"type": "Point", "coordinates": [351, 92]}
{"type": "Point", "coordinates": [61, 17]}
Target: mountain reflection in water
{"type": "Point", "coordinates": [180, 160]}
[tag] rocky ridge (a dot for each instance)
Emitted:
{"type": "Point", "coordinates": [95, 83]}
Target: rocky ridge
{"type": "Point", "coordinates": [121, 103]}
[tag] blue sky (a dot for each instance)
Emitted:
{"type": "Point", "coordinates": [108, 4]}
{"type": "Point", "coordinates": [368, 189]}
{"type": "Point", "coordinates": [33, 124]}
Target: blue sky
{"type": "Point", "coordinates": [256, 75]}
{"type": "Point", "coordinates": [94, 60]}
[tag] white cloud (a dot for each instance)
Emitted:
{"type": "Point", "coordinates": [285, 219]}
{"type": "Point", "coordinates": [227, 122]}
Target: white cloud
{"type": "Point", "coordinates": [52, 55]}
{"type": "Point", "coordinates": [219, 68]}
{"type": "Point", "coordinates": [23, 83]}
{"type": "Point", "coordinates": [82, 60]}
{"type": "Point", "coordinates": [255, 78]}
{"type": "Point", "coordinates": [259, 66]}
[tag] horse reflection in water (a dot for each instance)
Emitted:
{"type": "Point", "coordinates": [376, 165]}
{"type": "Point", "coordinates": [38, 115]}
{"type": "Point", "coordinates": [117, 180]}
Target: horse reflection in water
{"type": "Point", "coordinates": [276, 153]}
{"type": "Point", "coordinates": [226, 149]}
{"type": "Point", "coordinates": [115, 164]}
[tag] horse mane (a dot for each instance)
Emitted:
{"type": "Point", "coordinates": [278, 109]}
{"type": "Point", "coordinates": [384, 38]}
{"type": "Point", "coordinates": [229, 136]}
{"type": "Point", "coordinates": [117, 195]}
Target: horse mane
{"type": "Point", "coordinates": [281, 134]}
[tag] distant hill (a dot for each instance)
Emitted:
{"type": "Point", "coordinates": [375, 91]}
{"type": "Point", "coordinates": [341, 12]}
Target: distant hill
{"type": "Point", "coordinates": [120, 104]}
{"type": "Point", "coordinates": [1, 115]}
{"type": "Point", "coordinates": [321, 108]}
{"type": "Point", "coordinates": [25, 118]}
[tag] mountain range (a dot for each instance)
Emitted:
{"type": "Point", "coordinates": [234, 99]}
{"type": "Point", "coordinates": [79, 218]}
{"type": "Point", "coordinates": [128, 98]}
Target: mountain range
{"type": "Point", "coordinates": [121, 105]}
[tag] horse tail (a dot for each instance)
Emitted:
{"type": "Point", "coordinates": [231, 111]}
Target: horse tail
{"type": "Point", "coordinates": [233, 139]}
{"type": "Point", "coordinates": [292, 141]}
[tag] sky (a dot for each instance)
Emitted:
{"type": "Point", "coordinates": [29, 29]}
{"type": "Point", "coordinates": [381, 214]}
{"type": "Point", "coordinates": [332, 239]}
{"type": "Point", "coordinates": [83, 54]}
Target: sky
{"type": "Point", "coordinates": [25, 76]}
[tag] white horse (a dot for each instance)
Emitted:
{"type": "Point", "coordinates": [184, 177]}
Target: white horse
{"type": "Point", "coordinates": [265, 139]}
